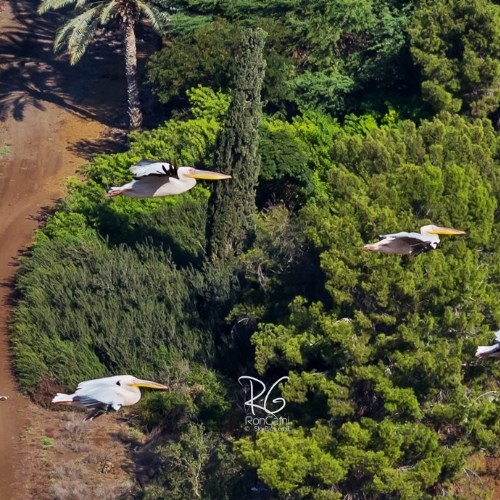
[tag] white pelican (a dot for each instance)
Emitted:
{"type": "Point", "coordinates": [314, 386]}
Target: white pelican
{"type": "Point", "coordinates": [411, 243]}
{"type": "Point", "coordinates": [159, 178]}
{"type": "Point", "coordinates": [106, 394]}
{"type": "Point", "coordinates": [484, 351]}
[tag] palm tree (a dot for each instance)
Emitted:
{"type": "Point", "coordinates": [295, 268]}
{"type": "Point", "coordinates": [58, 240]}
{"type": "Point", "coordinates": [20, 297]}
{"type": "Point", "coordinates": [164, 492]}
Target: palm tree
{"type": "Point", "coordinates": [76, 33]}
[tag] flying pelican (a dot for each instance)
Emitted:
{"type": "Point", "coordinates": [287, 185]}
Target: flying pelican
{"type": "Point", "coordinates": [493, 351]}
{"type": "Point", "coordinates": [106, 394]}
{"type": "Point", "coordinates": [411, 243]}
{"type": "Point", "coordinates": [152, 179]}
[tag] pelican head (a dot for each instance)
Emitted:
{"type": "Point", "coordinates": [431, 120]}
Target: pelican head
{"type": "Point", "coordinates": [432, 229]}
{"type": "Point", "coordinates": [194, 173]}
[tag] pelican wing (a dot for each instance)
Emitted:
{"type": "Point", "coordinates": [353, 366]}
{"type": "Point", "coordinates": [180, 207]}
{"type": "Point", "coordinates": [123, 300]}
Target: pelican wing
{"type": "Point", "coordinates": [402, 234]}
{"type": "Point", "coordinates": [99, 393]}
{"type": "Point", "coordinates": [403, 245]}
{"type": "Point", "coordinates": [89, 403]}
{"type": "Point", "coordinates": [484, 351]}
{"type": "Point", "coordinates": [99, 381]}
{"type": "Point", "coordinates": [147, 168]}
{"type": "Point", "coordinates": [497, 335]}
{"type": "Point", "coordinates": [414, 246]}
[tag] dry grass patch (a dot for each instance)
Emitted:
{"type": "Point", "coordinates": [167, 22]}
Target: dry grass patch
{"type": "Point", "coordinates": [84, 461]}
{"type": "Point", "coordinates": [70, 471]}
{"type": "Point", "coordinates": [65, 490]}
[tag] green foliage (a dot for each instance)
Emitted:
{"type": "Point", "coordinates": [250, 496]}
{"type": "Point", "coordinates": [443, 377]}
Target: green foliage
{"type": "Point", "coordinates": [457, 47]}
{"type": "Point", "coordinates": [322, 92]}
{"type": "Point", "coordinates": [197, 392]}
{"type": "Point", "coordinates": [277, 248]}
{"type": "Point", "coordinates": [198, 465]}
{"type": "Point", "coordinates": [102, 311]}
{"type": "Point", "coordinates": [288, 460]}
{"type": "Point", "coordinates": [380, 371]}
{"type": "Point", "coordinates": [47, 443]}
{"type": "Point", "coordinates": [5, 149]}
{"type": "Point", "coordinates": [232, 204]}
{"type": "Point", "coordinates": [333, 56]}
{"type": "Point", "coordinates": [206, 56]}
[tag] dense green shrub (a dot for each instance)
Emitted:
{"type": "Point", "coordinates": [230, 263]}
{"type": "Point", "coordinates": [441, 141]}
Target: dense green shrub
{"type": "Point", "coordinates": [88, 310]}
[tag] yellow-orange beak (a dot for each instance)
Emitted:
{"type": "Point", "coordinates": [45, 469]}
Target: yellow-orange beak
{"type": "Point", "coordinates": [446, 230]}
{"type": "Point", "coordinates": [207, 175]}
{"type": "Point", "coordinates": [151, 385]}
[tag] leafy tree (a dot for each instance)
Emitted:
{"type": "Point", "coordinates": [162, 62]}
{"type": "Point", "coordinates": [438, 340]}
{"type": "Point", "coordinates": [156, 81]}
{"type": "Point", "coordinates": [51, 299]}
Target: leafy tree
{"type": "Point", "coordinates": [199, 465]}
{"type": "Point", "coordinates": [456, 44]}
{"type": "Point", "coordinates": [207, 57]}
{"type": "Point", "coordinates": [76, 33]}
{"type": "Point", "coordinates": [323, 56]}
{"type": "Point", "coordinates": [232, 204]}
{"type": "Point", "coordinates": [384, 395]}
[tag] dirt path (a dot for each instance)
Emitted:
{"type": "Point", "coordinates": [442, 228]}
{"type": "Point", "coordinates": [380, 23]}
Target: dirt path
{"type": "Point", "coordinates": [30, 178]}
{"type": "Point", "coordinates": [47, 129]}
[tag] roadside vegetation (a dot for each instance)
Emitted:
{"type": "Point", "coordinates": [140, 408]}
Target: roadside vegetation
{"type": "Point", "coordinates": [5, 149]}
{"type": "Point", "coordinates": [376, 117]}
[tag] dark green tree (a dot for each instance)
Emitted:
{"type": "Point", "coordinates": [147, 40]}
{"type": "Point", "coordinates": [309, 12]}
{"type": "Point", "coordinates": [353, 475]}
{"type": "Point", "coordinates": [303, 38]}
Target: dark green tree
{"type": "Point", "coordinates": [385, 398]}
{"type": "Point", "coordinates": [207, 57]}
{"type": "Point", "coordinates": [457, 46]}
{"type": "Point", "coordinates": [330, 56]}
{"type": "Point", "coordinates": [232, 206]}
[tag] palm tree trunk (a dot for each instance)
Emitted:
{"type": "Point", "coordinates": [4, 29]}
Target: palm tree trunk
{"type": "Point", "coordinates": [134, 106]}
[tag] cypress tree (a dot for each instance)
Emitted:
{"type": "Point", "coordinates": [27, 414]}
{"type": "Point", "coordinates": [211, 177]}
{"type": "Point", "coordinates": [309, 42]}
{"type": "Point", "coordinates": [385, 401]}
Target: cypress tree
{"type": "Point", "coordinates": [232, 203]}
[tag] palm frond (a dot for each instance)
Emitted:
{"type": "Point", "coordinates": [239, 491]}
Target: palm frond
{"type": "Point", "coordinates": [80, 4]}
{"type": "Point", "coordinates": [77, 51]}
{"type": "Point", "coordinates": [62, 34]}
{"type": "Point", "coordinates": [158, 18]}
{"type": "Point", "coordinates": [108, 11]}
{"type": "Point", "coordinates": [77, 33]}
{"type": "Point", "coordinates": [47, 5]}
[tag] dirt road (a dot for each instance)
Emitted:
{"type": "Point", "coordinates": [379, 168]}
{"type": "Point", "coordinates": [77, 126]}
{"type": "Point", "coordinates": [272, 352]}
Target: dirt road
{"type": "Point", "coordinates": [48, 126]}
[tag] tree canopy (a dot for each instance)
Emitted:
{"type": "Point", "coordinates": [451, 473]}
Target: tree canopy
{"type": "Point", "coordinates": [373, 119]}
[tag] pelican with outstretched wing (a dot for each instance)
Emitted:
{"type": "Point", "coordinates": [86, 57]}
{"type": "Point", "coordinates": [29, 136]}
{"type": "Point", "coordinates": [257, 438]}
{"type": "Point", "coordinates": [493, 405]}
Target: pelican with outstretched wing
{"type": "Point", "coordinates": [411, 243]}
{"type": "Point", "coordinates": [492, 351]}
{"type": "Point", "coordinates": [107, 394]}
{"type": "Point", "coordinates": [153, 179]}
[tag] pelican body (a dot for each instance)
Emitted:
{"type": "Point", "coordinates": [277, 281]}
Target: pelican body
{"type": "Point", "coordinates": [155, 179]}
{"type": "Point", "coordinates": [411, 243]}
{"type": "Point", "coordinates": [106, 394]}
{"type": "Point", "coordinates": [492, 351]}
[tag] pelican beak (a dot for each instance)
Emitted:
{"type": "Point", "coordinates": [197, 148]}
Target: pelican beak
{"type": "Point", "coordinates": [151, 385]}
{"type": "Point", "coordinates": [446, 230]}
{"type": "Point", "coordinates": [207, 175]}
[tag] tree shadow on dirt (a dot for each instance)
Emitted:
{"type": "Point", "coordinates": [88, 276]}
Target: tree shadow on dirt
{"type": "Point", "coordinates": [31, 74]}
{"type": "Point", "coordinates": [114, 140]}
